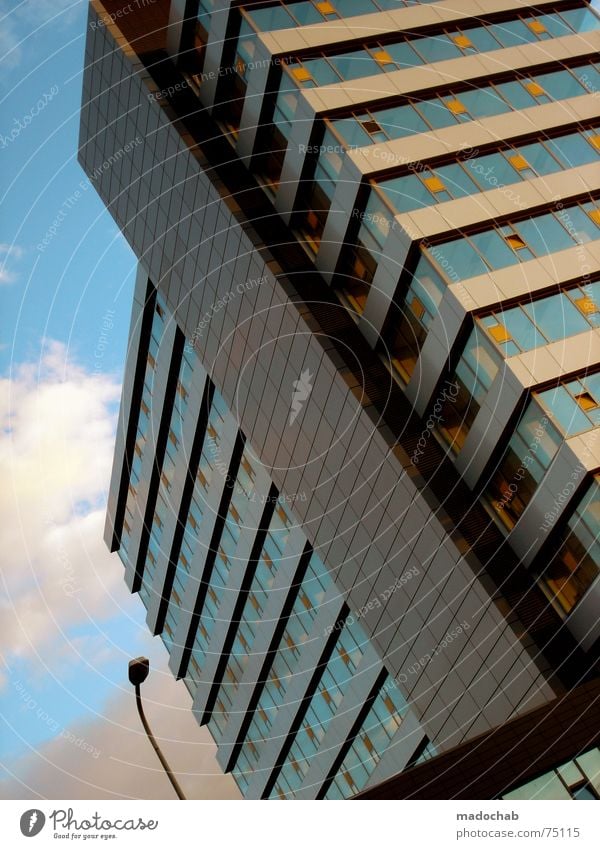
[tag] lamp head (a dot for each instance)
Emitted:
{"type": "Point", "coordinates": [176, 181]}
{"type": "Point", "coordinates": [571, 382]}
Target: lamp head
{"type": "Point", "coordinates": [139, 668]}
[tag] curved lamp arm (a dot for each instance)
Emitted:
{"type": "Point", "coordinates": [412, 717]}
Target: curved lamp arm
{"type": "Point", "coordinates": [138, 672]}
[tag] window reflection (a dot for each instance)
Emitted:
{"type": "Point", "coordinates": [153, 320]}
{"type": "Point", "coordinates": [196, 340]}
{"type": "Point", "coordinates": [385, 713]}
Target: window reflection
{"type": "Point", "coordinates": [576, 564]}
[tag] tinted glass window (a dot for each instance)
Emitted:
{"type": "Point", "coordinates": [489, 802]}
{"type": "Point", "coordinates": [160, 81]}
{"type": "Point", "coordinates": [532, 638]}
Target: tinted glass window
{"type": "Point", "coordinates": [483, 103]}
{"type": "Point", "coordinates": [406, 193]}
{"type": "Point", "coordinates": [539, 158]}
{"type": "Point", "coordinates": [582, 20]}
{"type": "Point", "coordinates": [435, 114]}
{"type": "Point", "coordinates": [556, 317]}
{"type": "Point", "coordinates": [516, 95]}
{"type": "Point", "coordinates": [402, 121]}
{"type": "Point", "coordinates": [494, 249]}
{"type": "Point", "coordinates": [544, 235]}
{"type": "Point", "coordinates": [560, 84]}
{"type": "Point", "coordinates": [436, 48]}
{"type": "Point", "coordinates": [457, 180]}
{"type": "Point", "coordinates": [459, 257]}
{"type": "Point", "coordinates": [403, 54]}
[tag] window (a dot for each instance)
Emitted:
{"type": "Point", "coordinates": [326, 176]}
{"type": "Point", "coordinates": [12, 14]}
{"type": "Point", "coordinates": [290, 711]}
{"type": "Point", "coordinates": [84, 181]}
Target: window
{"type": "Point", "coordinates": [530, 452]}
{"type": "Point", "coordinates": [503, 246]}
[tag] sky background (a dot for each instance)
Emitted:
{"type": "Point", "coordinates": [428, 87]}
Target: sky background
{"type": "Point", "coordinates": [68, 725]}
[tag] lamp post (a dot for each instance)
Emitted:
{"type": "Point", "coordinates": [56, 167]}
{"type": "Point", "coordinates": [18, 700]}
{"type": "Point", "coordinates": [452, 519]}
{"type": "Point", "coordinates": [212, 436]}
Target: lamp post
{"type": "Point", "coordinates": [139, 669]}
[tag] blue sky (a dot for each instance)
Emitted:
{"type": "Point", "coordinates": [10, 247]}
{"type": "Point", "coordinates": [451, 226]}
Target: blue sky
{"type": "Point", "coordinates": [87, 268]}
{"type": "Point", "coordinates": [66, 713]}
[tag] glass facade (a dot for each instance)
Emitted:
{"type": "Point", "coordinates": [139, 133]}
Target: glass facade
{"type": "Point", "coordinates": [474, 374]}
{"type": "Point", "coordinates": [331, 689]}
{"type": "Point", "coordinates": [361, 255]}
{"type": "Point", "coordinates": [133, 509]}
{"type": "Point", "coordinates": [282, 15]}
{"type": "Point", "coordinates": [531, 449]}
{"type": "Point", "coordinates": [370, 743]}
{"type": "Point", "coordinates": [578, 779]}
{"type": "Point", "coordinates": [384, 56]}
{"type": "Point", "coordinates": [316, 195]}
{"type": "Point", "coordinates": [206, 9]}
{"type": "Point", "coordinates": [311, 593]}
{"type": "Point", "coordinates": [250, 620]}
{"type": "Point", "coordinates": [551, 415]}
{"type": "Point", "coordinates": [175, 457]}
{"type": "Point", "coordinates": [469, 174]}
{"type": "Point", "coordinates": [195, 538]}
{"type": "Point", "coordinates": [463, 104]}
{"type": "Point", "coordinates": [536, 323]}
{"type": "Point", "coordinates": [576, 564]}
{"type": "Point", "coordinates": [273, 137]}
{"type": "Point", "coordinates": [509, 332]}
{"type": "Point", "coordinates": [225, 561]}
{"type": "Point", "coordinates": [410, 323]}
{"type": "Point", "coordinates": [512, 243]}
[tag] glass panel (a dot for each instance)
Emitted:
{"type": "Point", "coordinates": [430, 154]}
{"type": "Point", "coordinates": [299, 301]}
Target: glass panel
{"type": "Point", "coordinates": [492, 170]}
{"type": "Point", "coordinates": [516, 95]}
{"type": "Point", "coordinates": [483, 102]}
{"type": "Point", "coordinates": [533, 432]}
{"type": "Point", "coordinates": [435, 114]}
{"type": "Point", "coordinates": [579, 224]}
{"type": "Point", "coordinates": [481, 358]}
{"type": "Point", "coordinates": [590, 765]}
{"type": "Point", "coordinates": [403, 54]}
{"type": "Point", "coordinates": [589, 77]}
{"type": "Point", "coordinates": [458, 259]}
{"type": "Point", "coordinates": [402, 121]}
{"type": "Point", "coordinates": [512, 33]}
{"type": "Point", "coordinates": [521, 328]}
{"type": "Point", "coordinates": [352, 132]}
{"type": "Point", "coordinates": [539, 158]}
{"type": "Point", "coordinates": [377, 219]}
{"type": "Point", "coordinates": [456, 180]}
{"type": "Point", "coordinates": [581, 20]}
{"type": "Point", "coordinates": [573, 150]}
{"type": "Point", "coordinates": [321, 71]}
{"type": "Point", "coordinates": [557, 317]}
{"type": "Point", "coordinates": [287, 102]}
{"type": "Point", "coordinates": [560, 84]}
{"type": "Point", "coordinates": [548, 786]}
{"type": "Point", "coordinates": [356, 7]}
{"type": "Point", "coordinates": [495, 250]}
{"type": "Point", "coordinates": [305, 13]}
{"type": "Point", "coordinates": [356, 64]}
{"type": "Point", "coordinates": [271, 18]}
{"type": "Point", "coordinates": [565, 410]}
{"type": "Point", "coordinates": [544, 234]}
{"type": "Point", "coordinates": [482, 39]}
{"type": "Point", "coordinates": [406, 193]}
{"type": "Point", "coordinates": [554, 24]}
{"type": "Point", "coordinates": [436, 48]}
{"type": "Point", "coordinates": [429, 293]}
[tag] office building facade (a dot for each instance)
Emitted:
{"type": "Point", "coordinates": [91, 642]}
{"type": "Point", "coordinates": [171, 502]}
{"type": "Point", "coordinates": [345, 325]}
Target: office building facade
{"type": "Point", "coordinates": [356, 472]}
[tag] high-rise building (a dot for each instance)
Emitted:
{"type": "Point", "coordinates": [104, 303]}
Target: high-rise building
{"type": "Point", "coordinates": [356, 480]}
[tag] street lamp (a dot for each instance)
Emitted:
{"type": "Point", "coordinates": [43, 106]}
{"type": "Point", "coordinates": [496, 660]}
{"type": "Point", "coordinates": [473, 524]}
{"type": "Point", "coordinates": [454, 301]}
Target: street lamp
{"type": "Point", "coordinates": [138, 672]}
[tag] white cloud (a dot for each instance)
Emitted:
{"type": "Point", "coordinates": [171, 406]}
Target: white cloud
{"type": "Point", "coordinates": [7, 253]}
{"type": "Point", "coordinates": [55, 459]}
{"type": "Point", "coordinates": [13, 250]}
{"type": "Point", "coordinates": [56, 448]}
